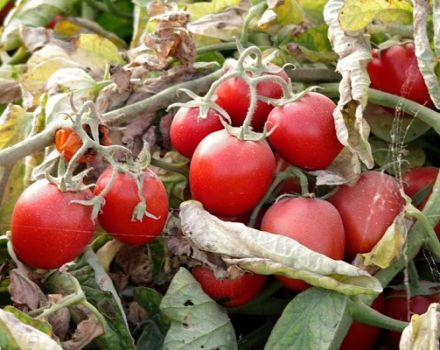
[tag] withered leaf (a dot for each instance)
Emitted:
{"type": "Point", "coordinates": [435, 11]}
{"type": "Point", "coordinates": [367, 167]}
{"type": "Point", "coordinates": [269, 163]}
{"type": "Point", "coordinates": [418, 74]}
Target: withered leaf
{"type": "Point", "coordinates": [24, 291]}
{"type": "Point", "coordinates": [86, 331]}
{"type": "Point", "coordinates": [59, 320]}
{"type": "Point", "coordinates": [35, 38]}
{"type": "Point", "coordinates": [134, 262]}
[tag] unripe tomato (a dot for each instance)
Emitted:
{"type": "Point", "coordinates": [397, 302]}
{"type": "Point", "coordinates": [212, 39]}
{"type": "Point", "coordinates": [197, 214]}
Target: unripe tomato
{"type": "Point", "coordinates": [229, 292]}
{"type": "Point", "coordinates": [305, 134]}
{"type": "Point", "coordinates": [117, 211]}
{"type": "Point", "coordinates": [367, 209]}
{"type": "Point", "coordinates": [315, 223]}
{"type": "Point", "coordinates": [188, 129]}
{"type": "Point", "coordinates": [230, 176]}
{"type": "Point", "coordinates": [48, 230]}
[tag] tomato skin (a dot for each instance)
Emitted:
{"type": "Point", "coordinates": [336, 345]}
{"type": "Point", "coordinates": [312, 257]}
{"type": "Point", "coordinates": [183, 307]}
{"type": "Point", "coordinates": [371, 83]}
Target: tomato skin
{"type": "Point", "coordinates": [47, 230]}
{"type": "Point", "coordinates": [305, 134]}
{"type": "Point", "coordinates": [233, 96]}
{"type": "Point", "coordinates": [187, 129]}
{"type": "Point", "coordinates": [361, 336]}
{"type": "Point", "coordinates": [395, 70]}
{"type": "Point", "coordinates": [116, 213]}
{"type": "Point", "coordinates": [313, 222]}
{"type": "Point", "coordinates": [229, 176]}
{"type": "Point", "coordinates": [367, 209]}
{"type": "Point", "coordinates": [67, 143]}
{"type": "Point", "coordinates": [229, 292]}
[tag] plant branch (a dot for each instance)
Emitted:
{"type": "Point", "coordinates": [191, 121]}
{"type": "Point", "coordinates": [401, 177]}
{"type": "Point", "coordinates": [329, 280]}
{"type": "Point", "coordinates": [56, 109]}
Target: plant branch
{"type": "Point", "coordinates": [304, 75]}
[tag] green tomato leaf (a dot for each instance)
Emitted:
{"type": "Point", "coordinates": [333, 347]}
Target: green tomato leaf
{"type": "Point", "coordinates": [315, 319]}
{"type": "Point", "coordinates": [266, 253]}
{"type": "Point", "coordinates": [357, 14]}
{"type": "Point", "coordinates": [42, 326]}
{"type": "Point", "coordinates": [197, 322]}
{"type": "Point", "coordinates": [313, 10]}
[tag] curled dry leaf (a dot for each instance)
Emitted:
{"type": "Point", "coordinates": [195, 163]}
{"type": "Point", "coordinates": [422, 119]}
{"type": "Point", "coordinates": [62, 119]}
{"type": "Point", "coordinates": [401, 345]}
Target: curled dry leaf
{"type": "Point", "coordinates": [24, 291]}
{"type": "Point", "coordinates": [85, 332]}
{"type": "Point", "coordinates": [267, 253]}
{"type": "Point", "coordinates": [35, 38]}
{"type": "Point", "coordinates": [59, 320]}
{"type": "Point", "coordinates": [134, 262]}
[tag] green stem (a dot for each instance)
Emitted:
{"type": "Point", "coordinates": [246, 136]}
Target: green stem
{"type": "Point", "coordinates": [257, 337]}
{"type": "Point", "coordinates": [271, 306]}
{"type": "Point", "coordinates": [366, 314]}
{"type": "Point", "coordinates": [429, 116]}
{"type": "Point", "coordinates": [116, 12]}
{"type": "Point", "coordinates": [305, 75]}
{"type": "Point", "coordinates": [231, 45]}
{"type": "Point", "coordinates": [20, 56]}
{"type": "Point", "coordinates": [88, 8]}
{"type": "Point", "coordinates": [391, 29]}
{"type": "Point", "coordinates": [4, 176]}
{"type": "Point", "coordinates": [168, 166]}
{"type": "Point", "coordinates": [254, 11]}
{"type": "Point", "coordinates": [413, 275]}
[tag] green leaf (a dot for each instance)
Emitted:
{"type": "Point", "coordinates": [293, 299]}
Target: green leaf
{"type": "Point", "coordinates": [313, 10]}
{"type": "Point", "coordinates": [357, 14]}
{"type": "Point", "coordinates": [42, 326]}
{"type": "Point", "coordinates": [266, 253]}
{"type": "Point", "coordinates": [197, 322]}
{"type": "Point", "coordinates": [315, 319]}
{"type": "Point", "coordinates": [151, 337]}
{"type": "Point", "coordinates": [148, 298]}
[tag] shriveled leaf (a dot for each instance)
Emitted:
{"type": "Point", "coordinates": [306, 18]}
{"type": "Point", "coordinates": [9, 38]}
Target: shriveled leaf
{"type": "Point", "coordinates": [9, 91]}
{"type": "Point", "coordinates": [134, 263]}
{"type": "Point", "coordinates": [197, 322]}
{"type": "Point", "coordinates": [354, 53]}
{"type": "Point", "coordinates": [59, 320]}
{"type": "Point", "coordinates": [24, 291]}
{"type": "Point", "coordinates": [85, 332]}
{"type": "Point", "coordinates": [35, 38]}
{"type": "Point", "coordinates": [357, 14]}
{"type": "Point", "coordinates": [267, 253]}
{"type": "Point", "coordinates": [33, 13]}
{"type": "Point", "coordinates": [15, 334]}
{"type": "Point", "coordinates": [425, 57]}
{"type": "Point", "coordinates": [315, 319]}
{"type": "Point", "coordinates": [423, 331]}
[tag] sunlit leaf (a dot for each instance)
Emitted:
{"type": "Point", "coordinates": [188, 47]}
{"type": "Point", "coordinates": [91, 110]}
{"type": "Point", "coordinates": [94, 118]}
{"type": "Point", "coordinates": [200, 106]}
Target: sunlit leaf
{"type": "Point", "coordinates": [282, 12]}
{"type": "Point", "coordinates": [197, 321]}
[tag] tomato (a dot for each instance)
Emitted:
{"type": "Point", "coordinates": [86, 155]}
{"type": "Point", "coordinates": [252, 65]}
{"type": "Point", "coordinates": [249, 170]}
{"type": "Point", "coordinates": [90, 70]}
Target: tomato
{"type": "Point", "coordinates": [53, 23]}
{"type": "Point", "coordinates": [187, 129]}
{"type": "Point", "coordinates": [361, 336]}
{"type": "Point", "coordinates": [229, 292]}
{"type": "Point", "coordinates": [233, 97]}
{"type": "Point", "coordinates": [367, 209]}
{"type": "Point", "coordinates": [313, 222]}
{"type": "Point", "coordinates": [47, 229]}
{"type": "Point", "coordinates": [304, 133]}
{"type": "Point", "coordinates": [230, 176]}
{"type": "Point", "coordinates": [395, 70]}
{"type": "Point", "coordinates": [116, 213]}
{"type": "Point", "coordinates": [396, 306]}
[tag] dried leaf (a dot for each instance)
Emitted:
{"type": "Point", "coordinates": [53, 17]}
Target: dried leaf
{"type": "Point", "coordinates": [24, 291]}
{"type": "Point", "coordinates": [59, 320]}
{"type": "Point", "coordinates": [35, 38]}
{"type": "Point", "coordinates": [134, 262]}
{"type": "Point", "coordinates": [136, 314]}
{"type": "Point", "coordinates": [9, 91]}
{"type": "Point", "coordinates": [85, 332]}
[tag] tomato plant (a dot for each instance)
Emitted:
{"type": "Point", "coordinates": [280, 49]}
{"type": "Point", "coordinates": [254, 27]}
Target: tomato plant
{"type": "Point", "coordinates": [230, 176]}
{"type": "Point", "coordinates": [296, 218]}
{"type": "Point", "coordinates": [230, 292]}
{"type": "Point", "coordinates": [233, 97]}
{"type": "Point", "coordinates": [117, 211]}
{"type": "Point", "coordinates": [188, 129]}
{"type": "Point", "coordinates": [303, 132]}
{"type": "Point", "coordinates": [367, 209]}
{"type": "Point", "coordinates": [48, 230]}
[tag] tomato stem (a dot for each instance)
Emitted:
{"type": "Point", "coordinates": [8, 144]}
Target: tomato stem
{"type": "Point", "coordinates": [169, 167]}
{"type": "Point", "coordinates": [255, 11]}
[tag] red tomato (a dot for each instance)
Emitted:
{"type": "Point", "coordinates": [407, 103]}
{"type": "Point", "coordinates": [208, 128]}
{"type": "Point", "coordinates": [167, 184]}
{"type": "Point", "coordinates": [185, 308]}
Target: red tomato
{"type": "Point", "coordinates": [47, 229]}
{"type": "Point", "coordinates": [187, 129]}
{"type": "Point", "coordinates": [395, 70]}
{"type": "Point", "coordinates": [229, 292]}
{"type": "Point", "coordinates": [233, 97]}
{"type": "Point", "coordinates": [396, 306]}
{"type": "Point", "coordinates": [117, 211]}
{"type": "Point", "coordinates": [53, 23]}
{"type": "Point", "coordinates": [305, 133]}
{"type": "Point", "coordinates": [229, 176]}
{"type": "Point", "coordinates": [361, 336]}
{"type": "Point", "coordinates": [367, 209]}
{"type": "Point", "coordinates": [312, 222]}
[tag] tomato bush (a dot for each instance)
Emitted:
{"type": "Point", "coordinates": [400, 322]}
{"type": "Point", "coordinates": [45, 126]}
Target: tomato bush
{"type": "Point", "coordinates": [48, 230]}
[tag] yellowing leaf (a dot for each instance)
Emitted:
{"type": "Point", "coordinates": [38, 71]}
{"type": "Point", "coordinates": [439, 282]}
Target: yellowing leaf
{"type": "Point", "coordinates": [283, 12]}
{"type": "Point", "coordinates": [14, 124]}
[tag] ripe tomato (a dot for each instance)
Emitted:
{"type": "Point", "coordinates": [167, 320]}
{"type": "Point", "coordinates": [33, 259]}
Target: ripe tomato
{"type": "Point", "coordinates": [396, 306]}
{"type": "Point", "coordinates": [116, 214]}
{"type": "Point", "coordinates": [229, 292]}
{"type": "Point", "coordinates": [361, 336]}
{"type": "Point", "coordinates": [229, 176]}
{"type": "Point", "coordinates": [312, 222]}
{"type": "Point", "coordinates": [367, 209]}
{"type": "Point", "coordinates": [187, 129]}
{"type": "Point", "coordinates": [233, 97]}
{"type": "Point", "coordinates": [305, 133]}
{"type": "Point", "coordinates": [395, 70]}
{"type": "Point", "coordinates": [47, 229]}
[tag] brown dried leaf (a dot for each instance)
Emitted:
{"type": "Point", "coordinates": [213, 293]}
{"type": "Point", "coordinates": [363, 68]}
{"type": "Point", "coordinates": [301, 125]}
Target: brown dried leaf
{"type": "Point", "coordinates": [59, 320]}
{"type": "Point", "coordinates": [35, 38]}
{"type": "Point", "coordinates": [85, 332]}
{"type": "Point", "coordinates": [121, 77]}
{"type": "Point", "coordinates": [136, 314]}
{"type": "Point", "coordinates": [9, 91]}
{"type": "Point", "coordinates": [24, 291]}
{"type": "Point", "coordinates": [134, 262]}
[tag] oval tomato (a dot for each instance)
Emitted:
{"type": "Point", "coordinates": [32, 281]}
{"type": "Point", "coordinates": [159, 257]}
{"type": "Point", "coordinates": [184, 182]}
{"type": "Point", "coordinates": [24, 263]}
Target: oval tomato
{"type": "Point", "coordinates": [367, 209]}
{"type": "Point", "coordinates": [304, 133]}
{"type": "Point", "coordinates": [233, 97]}
{"type": "Point", "coordinates": [187, 129]}
{"type": "Point", "coordinates": [229, 292]}
{"type": "Point", "coordinates": [312, 222]}
{"type": "Point", "coordinates": [47, 229]}
{"type": "Point", "coordinates": [361, 336]}
{"type": "Point", "coordinates": [116, 213]}
{"type": "Point", "coordinates": [230, 176]}
{"type": "Point", "coordinates": [395, 70]}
